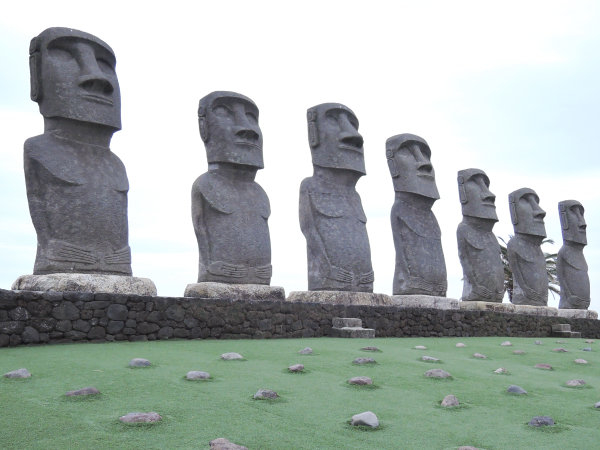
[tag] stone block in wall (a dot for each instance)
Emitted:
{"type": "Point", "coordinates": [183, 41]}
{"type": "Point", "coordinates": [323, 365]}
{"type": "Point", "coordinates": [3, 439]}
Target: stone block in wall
{"type": "Point", "coordinates": [488, 306]}
{"type": "Point", "coordinates": [117, 312]}
{"type": "Point", "coordinates": [424, 301]}
{"type": "Point", "coordinates": [543, 311]}
{"type": "Point", "coordinates": [12, 327]}
{"type": "Point", "coordinates": [235, 292]}
{"type": "Point", "coordinates": [339, 298]}
{"type": "Point", "coordinates": [65, 311]}
{"type": "Point", "coordinates": [578, 313]}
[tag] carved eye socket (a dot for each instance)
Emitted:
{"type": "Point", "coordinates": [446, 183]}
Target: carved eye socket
{"type": "Point", "coordinates": [251, 116]}
{"type": "Point", "coordinates": [222, 111]}
{"type": "Point", "coordinates": [60, 54]}
{"type": "Point", "coordinates": [332, 121]}
{"type": "Point", "coordinates": [105, 66]}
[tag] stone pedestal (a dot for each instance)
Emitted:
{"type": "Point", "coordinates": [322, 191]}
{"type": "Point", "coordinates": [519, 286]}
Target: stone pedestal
{"type": "Point", "coordinates": [346, 327]}
{"type": "Point", "coordinates": [488, 306]}
{"type": "Point", "coordinates": [235, 292]}
{"type": "Point", "coordinates": [424, 301]}
{"type": "Point", "coordinates": [578, 313]}
{"type": "Point", "coordinates": [546, 311]}
{"type": "Point", "coordinates": [82, 282]}
{"type": "Point", "coordinates": [340, 298]}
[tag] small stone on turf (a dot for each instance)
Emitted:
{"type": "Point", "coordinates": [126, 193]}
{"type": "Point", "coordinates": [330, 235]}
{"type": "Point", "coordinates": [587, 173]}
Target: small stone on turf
{"type": "Point", "coordinates": [437, 373]}
{"type": "Point", "coordinates": [420, 347]}
{"type": "Point", "coordinates": [467, 447]}
{"type": "Point", "coordinates": [367, 418]}
{"type": "Point", "coordinates": [231, 356]}
{"type": "Point", "coordinates": [589, 341]}
{"type": "Point", "coordinates": [296, 368]}
{"type": "Point", "coordinates": [197, 375]}
{"type": "Point", "coordinates": [361, 381]}
{"type": "Point", "coordinates": [580, 361]}
{"type": "Point", "coordinates": [587, 349]}
{"type": "Point", "coordinates": [575, 383]}
{"type": "Point", "coordinates": [19, 373]}
{"type": "Point", "coordinates": [265, 393]}
{"type": "Point", "coordinates": [597, 405]}
{"type": "Point", "coordinates": [370, 348]}
{"type": "Point", "coordinates": [429, 359]}
{"type": "Point", "coordinates": [543, 366]}
{"type": "Point", "coordinates": [460, 345]}
{"type": "Point", "coordinates": [518, 352]}
{"type": "Point", "coordinates": [85, 391]}
{"type": "Point", "coordinates": [139, 362]}
{"type": "Point", "coordinates": [506, 344]}
{"type": "Point", "coordinates": [224, 444]}
{"type": "Point", "coordinates": [559, 350]}
{"type": "Point", "coordinates": [541, 421]}
{"type": "Point", "coordinates": [514, 389]}
{"type": "Point", "coordinates": [140, 417]}
{"type": "Point", "coordinates": [306, 351]}
{"type": "Point", "coordinates": [538, 342]}
{"type": "Point", "coordinates": [560, 342]}
{"type": "Point", "coordinates": [450, 401]}
{"type": "Point", "coordinates": [364, 361]}
{"type": "Point", "coordinates": [500, 370]}
{"type": "Point", "coordinates": [479, 356]}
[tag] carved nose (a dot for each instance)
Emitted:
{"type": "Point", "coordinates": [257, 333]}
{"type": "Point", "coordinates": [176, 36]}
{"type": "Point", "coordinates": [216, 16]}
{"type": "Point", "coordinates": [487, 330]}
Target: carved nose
{"type": "Point", "coordinates": [247, 134]}
{"type": "Point", "coordinates": [352, 140]}
{"type": "Point", "coordinates": [539, 214]}
{"type": "Point", "coordinates": [488, 197]}
{"type": "Point", "coordinates": [425, 167]}
{"type": "Point", "coordinates": [95, 84]}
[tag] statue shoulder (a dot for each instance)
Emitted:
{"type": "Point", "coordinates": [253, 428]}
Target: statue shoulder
{"type": "Point", "coordinates": [216, 191]}
{"type": "Point", "coordinates": [572, 258]}
{"type": "Point", "coordinates": [261, 200]}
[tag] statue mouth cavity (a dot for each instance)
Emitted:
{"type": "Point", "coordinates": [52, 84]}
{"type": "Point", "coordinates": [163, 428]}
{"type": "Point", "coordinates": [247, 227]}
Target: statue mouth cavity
{"type": "Point", "coordinates": [250, 144]}
{"type": "Point", "coordinates": [98, 99]}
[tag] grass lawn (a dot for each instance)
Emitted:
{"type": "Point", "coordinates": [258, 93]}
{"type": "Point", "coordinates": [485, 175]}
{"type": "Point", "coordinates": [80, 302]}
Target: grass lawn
{"type": "Point", "coordinates": [315, 406]}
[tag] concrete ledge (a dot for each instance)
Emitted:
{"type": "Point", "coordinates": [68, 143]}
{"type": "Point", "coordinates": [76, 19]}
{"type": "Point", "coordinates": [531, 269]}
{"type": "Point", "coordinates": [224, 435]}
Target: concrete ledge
{"type": "Point", "coordinates": [235, 292]}
{"type": "Point", "coordinates": [340, 298]}
{"type": "Point", "coordinates": [578, 313]}
{"type": "Point", "coordinates": [84, 282]}
{"type": "Point", "coordinates": [353, 332]}
{"type": "Point", "coordinates": [424, 301]}
{"type": "Point", "coordinates": [544, 311]}
{"type": "Point", "coordinates": [488, 306]}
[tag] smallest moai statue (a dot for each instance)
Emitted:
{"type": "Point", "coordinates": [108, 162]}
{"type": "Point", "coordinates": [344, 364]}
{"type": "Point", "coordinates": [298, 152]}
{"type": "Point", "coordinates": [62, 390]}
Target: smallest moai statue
{"type": "Point", "coordinates": [525, 256]}
{"type": "Point", "coordinates": [478, 248]}
{"type": "Point", "coordinates": [571, 266]}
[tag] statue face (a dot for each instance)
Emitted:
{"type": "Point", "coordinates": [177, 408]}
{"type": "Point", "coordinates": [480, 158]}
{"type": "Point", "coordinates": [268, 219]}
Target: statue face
{"type": "Point", "coordinates": [334, 138]}
{"type": "Point", "coordinates": [229, 128]}
{"type": "Point", "coordinates": [409, 161]}
{"type": "Point", "coordinates": [76, 78]}
{"type": "Point", "coordinates": [476, 198]}
{"type": "Point", "coordinates": [526, 214]}
{"type": "Point", "coordinates": [572, 221]}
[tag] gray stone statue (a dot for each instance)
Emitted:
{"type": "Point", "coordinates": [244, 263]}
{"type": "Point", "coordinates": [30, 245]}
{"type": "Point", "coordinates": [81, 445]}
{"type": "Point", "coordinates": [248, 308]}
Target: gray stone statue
{"type": "Point", "coordinates": [525, 256]}
{"type": "Point", "coordinates": [229, 209]}
{"type": "Point", "coordinates": [420, 264]}
{"type": "Point", "coordinates": [76, 187]}
{"type": "Point", "coordinates": [478, 248]}
{"type": "Point", "coordinates": [571, 266]}
{"type": "Point", "coordinates": [331, 214]}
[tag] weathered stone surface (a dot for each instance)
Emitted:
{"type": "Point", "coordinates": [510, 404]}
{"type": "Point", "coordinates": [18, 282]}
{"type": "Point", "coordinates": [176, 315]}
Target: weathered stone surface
{"type": "Point", "coordinates": [361, 381]}
{"type": "Point", "coordinates": [544, 311]}
{"type": "Point", "coordinates": [353, 332]}
{"type": "Point", "coordinates": [141, 417]}
{"type": "Point", "coordinates": [84, 282]}
{"type": "Point", "coordinates": [370, 348]}
{"type": "Point", "coordinates": [224, 444]}
{"type": "Point", "coordinates": [587, 349]}
{"type": "Point", "coordinates": [366, 418]}
{"type": "Point", "coordinates": [19, 373]}
{"type": "Point", "coordinates": [589, 341]}
{"type": "Point", "coordinates": [30, 335]}
{"type": "Point", "coordinates": [331, 214]}
{"type": "Point", "coordinates": [139, 362]}
{"type": "Point", "coordinates": [425, 301]}
{"type": "Point", "coordinates": [487, 306]}
{"type": "Point", "coordinates": [478, 248]}
{"type": "Point", "coordinates": [543, 366]}
{"type": "Point", "coordinates": [514, 389]}
{"type": "Point", "coordinates": [306, 351]}
{"type": "Point", "coordinates": [429, 359]}
{"type": "Point", "coordinates": [420, 264]}
{"type": "Point", "coordinates": [506, 344]}
{"type": "Point", "coordinates": [437, 373]}
{"type": "Point", "coordinates": [231, 356]}
{"type": "Point", "coordinates": [117, 312]}
{"type": "Point", "coordinates": [560, 350]}
{"type": "Point", "coordinates": [578, 313]}
{"type": "Point", "coordinates": [541, 421]}
{"type": "Point", "coordinates": [341, 322]}
{"type": "Point", "coordinates": [229, 209]}
{"type": "Point", "coordinates": [84, 391]}
{"type": "Point", "coordinates": [501, 371]}
{"type": "Point", "coordinates": [580, 361]}
{"type": "Point", "coordinates": [296, 368]}
{"type": "Point", "coordinates": [235, 292]}
{"type": "Point", "coordinates": [467, 447]}
{"type": "Point", "coordinates": [525, 256]}
{"type": "Point", "coordinates": [518, 352]}
{"type": "Point", "coordinates": [340, 298]}
{"type": "Point", "coordinates": [597, 405]}
{"type": "Point", "coordinates": [460, 345]}
{"type": "Point", "coordinates": [479, 356]}
{"type": "Point", "coordinates": [575, 383]}
{"type": "Point", "coordinates": [420, 347]}
{"type": "Point", "coordinates": [538, 342]}
{"type": "Point", "coordinates": [364, 361]}
{"type": "Point", "coordinates": [197, 375]}
{"type": "Point", "coordinates": [450, 401]}
{"type": "Point", "coordinates": [265, 394]}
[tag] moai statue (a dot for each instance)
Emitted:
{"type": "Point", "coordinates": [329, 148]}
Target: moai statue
{"type": "Point", "coordinates": [76, 187]}
{"type": "Point", "coordinates": [331, 214]}
{"type": "Point", "coordinates": [478, 248]}
{"type": "Point", "coordinates": [571, 266]}
{"type": "Point", "coordinates": [229, 209]}
{"type": "Point", "coordinates": [420, 264]}
{"type": "Point", "coordinates": [525, 256]}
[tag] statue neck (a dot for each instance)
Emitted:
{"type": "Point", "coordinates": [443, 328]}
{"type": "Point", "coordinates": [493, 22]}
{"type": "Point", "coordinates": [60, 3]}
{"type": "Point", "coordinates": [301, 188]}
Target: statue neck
{"type": "Point", "coordinates": [338, 177]}
{"type": "Point", "coordinates": [412, 198]}
{"type": "Point", "coordinates": [85, 133]}
{"type": "Point", "coordinates": [479, 223]}
{"type": "Point", "coordinates": [232, 171]}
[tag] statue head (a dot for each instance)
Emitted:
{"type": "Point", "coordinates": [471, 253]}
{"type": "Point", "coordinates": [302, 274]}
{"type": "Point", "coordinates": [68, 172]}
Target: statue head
{"type": "Point", "coordinates": [572, 222]}
{"type": "Point", "coordinates": [525, 212]}
{"type": "Point", "coordinates": [73, 76]}
{"type": "Point", "coordinates": [475, 196]}
{"type": "Point", "coordinates": [228, 124]}
{"type": "Point", "coordinates": [409, 161]}
{"type": "Point", "coordinates": [334, 138]}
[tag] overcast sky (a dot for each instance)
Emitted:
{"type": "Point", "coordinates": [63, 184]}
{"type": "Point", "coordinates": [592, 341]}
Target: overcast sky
{"type": "Point", "coordinates": [508, 87]}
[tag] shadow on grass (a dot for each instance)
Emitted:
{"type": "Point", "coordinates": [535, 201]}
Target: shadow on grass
{"type": "Point", "coordinates": [363, 428]}
{"type": "Point", "coordinates": [552, 429]}
{"type": "Point", "coordinates": [301, 372]}
{"type": "Point", "coordinates": [430, 361]}
{"type": "Point", "coordinates": [83, 398]}
{"type": "Point", "coordinates": [140, 426]}
{"type": "Point", "coordinates": [361, 387]}
{"type": "Point", "coordinates": [462, 406]}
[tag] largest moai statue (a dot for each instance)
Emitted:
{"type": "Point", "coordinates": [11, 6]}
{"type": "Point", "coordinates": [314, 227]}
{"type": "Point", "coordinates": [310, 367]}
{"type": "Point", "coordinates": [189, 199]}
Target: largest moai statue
{"type": "Point", "coordinates": [525, 256]}
{"type": "Point", "coordinates": [478, 248]}
{"type": "Point", "coordinates": [331, 214]}
{"type": "Point", "coordinates": [571, 266]}
{"type": "Point", "coordinates": [420, 264]}
{"type": "Point", "coordinates": [229, 209]}
{"type": "Point", "coordinates": [76, 187]}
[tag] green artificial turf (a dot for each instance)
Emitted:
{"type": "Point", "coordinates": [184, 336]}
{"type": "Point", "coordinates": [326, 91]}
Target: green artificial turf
{"type": "Point", "coordinates": [315, 407]}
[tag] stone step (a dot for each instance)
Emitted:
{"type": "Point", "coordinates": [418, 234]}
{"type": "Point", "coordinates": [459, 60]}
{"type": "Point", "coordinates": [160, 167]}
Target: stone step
{"type": "Point", "coordinates": [561, 327]}
{"type": "Point", "coordinates": [353, 332]}
{"type": "Point", "coordinates": [565, 334]}
{"type": "Point", "coordinates": [341, 322]}
{"type": "Point", "coordinates": [576, 334]}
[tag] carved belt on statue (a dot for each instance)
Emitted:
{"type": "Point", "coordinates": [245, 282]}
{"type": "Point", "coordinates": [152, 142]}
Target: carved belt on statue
{"type": "Point", "coordinates": [65, 252]}
{"type": "Point", "coordinates": [426, 285]}
{"type": "Point", "coordinates": [347, 277]}
{"type": "Point", "coordinates": [224, 269]}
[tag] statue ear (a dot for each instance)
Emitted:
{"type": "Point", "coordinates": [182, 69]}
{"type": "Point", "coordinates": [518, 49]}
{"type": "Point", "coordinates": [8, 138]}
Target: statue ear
{"type": "Point", "coordinates": [564, 220]}
{"type": "Point", "coordinates": [202, 127]}
{"type": "Point", "coordinates": [313, 132]}
{"type": "Point", "coordinates": [394, 170]}
{"type": "Point", "coordinates": [513, 210]}
{"type": "Point", "coordinates": [462, 192]}
{"type": "Point", "coordinates": [34, 78]}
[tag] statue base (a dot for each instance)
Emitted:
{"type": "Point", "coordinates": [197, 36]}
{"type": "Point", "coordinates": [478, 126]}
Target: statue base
{"type": "Point", "coordinates": [487, 306]}
{"type": "Point", "coordinates": [85, 282]}
{"type": "Point", "coordinates": [235, 292]}
{"type": "Point", "coordinates": [339, 298]}
{"type": "Point", "coordinates": [424, 301]}
{"type": "Point", "coordinates": [577, 313]}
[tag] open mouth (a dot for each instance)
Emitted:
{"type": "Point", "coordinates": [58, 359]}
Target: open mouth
{"type": "Point", "coordinates": [350, 147]}
{"type": "Point", "coordinates": [98, 99]}
{"type": "Point", "coordinates": [249, 144]}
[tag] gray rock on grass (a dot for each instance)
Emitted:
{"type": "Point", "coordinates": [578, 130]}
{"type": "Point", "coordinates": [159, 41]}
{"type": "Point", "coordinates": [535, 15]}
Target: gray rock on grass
{"type": "Point", "coordinates": [559, 350]}
{"type": "Point", "coordinates": [450, 401]}
{"type": "Point", "coordinates": [262, 394]}
{"type": "Point", "coordinates": [364, 361]}
{"type": "Point", "coordinates": [231, 356]}
{"type": "Point", "coordinates": [366, 418]}
{"type": "Point", "coordinates": [139, 362]}
{"type": "Point", "coordinates": [597, 405]}
{"type": "Point", "coordinates": [84, 391]}
{"type": "Point", "coordinates": [479, 356]}
{"type": "Point", "coordinates": [306, 351]}
{"type": "Point", "coordinates": [224, 444]}
{"type": "Point", "coordinates": [589, 341]}
{"type": "Point", "coordinates": [541, 421]}
{"type": "Point", "coordinates": [580, 361]}
{"type": "Point", "coordinates": [295, 368]}
{"type": "Point", "coordinates": [370, 348]}
{"type": "Point", "coordinates": [141, 417]}
{"type": "Point", "coordinates": [197, 375]}
{"type": "Point", "coordinates": [587, 349]}
{"type": "Point", "coordinates": [19, 373]}
{"type": "Point", "coordinates": [506, 344]}
{"type": "Point", "coordinates": [460, 345]}
{"type": "Point", "coordinates": [514, 389]}
{"type": "Point", "coordinates": [501, 370]}
{"type": "Point", "coordinates": [360, 381]}
{"type": "Point", "coordinates": [429, 359]}
{"type": "Point", "coordinates": [538, 342]}
{"type": "Point", "coordinates": [543, 366]}
{"type": "Point", "coordinates": [437, 373]}
{"type": "Point", "coordinates": [575, 383]}
{"type": "Point", "coordinates": [420, 347]}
